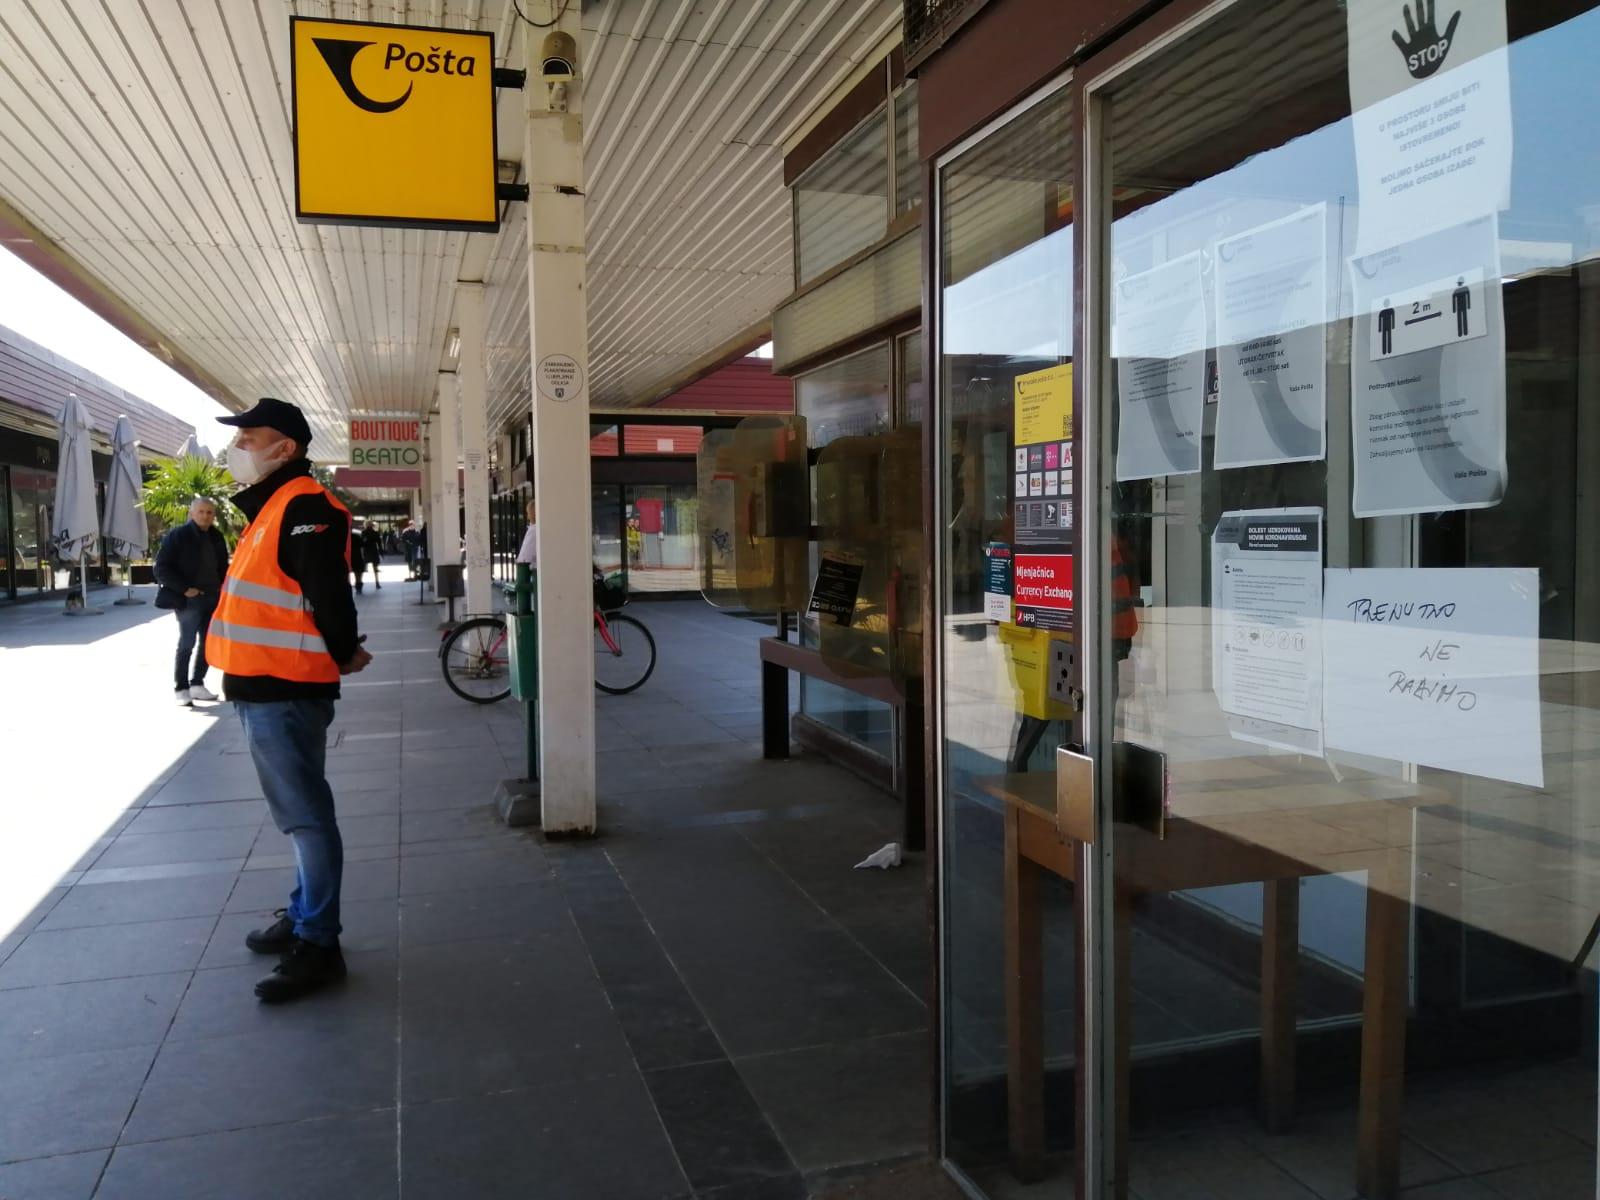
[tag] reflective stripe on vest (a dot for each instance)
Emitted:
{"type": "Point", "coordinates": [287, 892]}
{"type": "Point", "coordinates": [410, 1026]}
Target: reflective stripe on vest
{"type": "Point", "coordinates": [264, 594]}
{"type": "Point", "coordinates": [262, 624]}
{"type": "Point", "coordinates": [251, 635]}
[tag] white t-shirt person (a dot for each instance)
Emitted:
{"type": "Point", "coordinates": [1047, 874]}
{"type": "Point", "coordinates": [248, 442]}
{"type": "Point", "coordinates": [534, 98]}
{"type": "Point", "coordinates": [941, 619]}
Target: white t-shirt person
{"type": "Point", "coordinates": [529, 551]}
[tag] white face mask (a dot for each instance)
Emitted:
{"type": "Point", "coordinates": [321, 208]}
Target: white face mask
{"type": "Point", "coordinates": [250, 466]}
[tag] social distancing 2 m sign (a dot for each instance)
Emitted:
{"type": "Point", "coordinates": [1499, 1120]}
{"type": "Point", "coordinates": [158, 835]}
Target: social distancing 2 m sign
{"type": "Point", "coordinates": [393, 125]}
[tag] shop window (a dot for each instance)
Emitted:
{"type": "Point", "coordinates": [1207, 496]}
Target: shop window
{"type": "Point", "coordinates": [661, 537]}
{"type": "Point", "coordinates": [842, 204]}
{"type": "Point", "coordinates": [907, 166]}
{"type": "Point", "coordinates": [605, 441]}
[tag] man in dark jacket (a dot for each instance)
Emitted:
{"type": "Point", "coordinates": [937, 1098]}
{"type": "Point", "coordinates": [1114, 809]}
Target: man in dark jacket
{"type": "Point", "coordinates": [189, 567]}
{"type": "Point", "coordinates": [283, 634]}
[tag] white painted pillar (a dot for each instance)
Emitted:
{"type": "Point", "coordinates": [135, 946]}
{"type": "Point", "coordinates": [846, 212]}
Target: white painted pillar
{"type": "Point", "coordinates": [435, 497]}
{"type": "Point", "coordinates": [447, 545]}
{"type": "Point", "coordinates": [559, 332]}
{"type": "Point", "coordinates": [472, 379]}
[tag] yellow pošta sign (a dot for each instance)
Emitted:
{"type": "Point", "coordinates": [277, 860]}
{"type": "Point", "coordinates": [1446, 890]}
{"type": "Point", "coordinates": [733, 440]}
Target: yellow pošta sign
{"type": "Point", "coordinates": [1043, 406]}
{"type": "Point", "coordinates": [393, 125]}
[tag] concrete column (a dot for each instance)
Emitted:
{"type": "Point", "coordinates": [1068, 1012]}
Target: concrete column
{"type": "Point", "coordinates": [472, 379]}
{"type": "Point", "coordinates": [447, 545]}
{"type": "Point", "coordinates": [559, 333]}
{"type": "Point", "coordinates": [435, 498]}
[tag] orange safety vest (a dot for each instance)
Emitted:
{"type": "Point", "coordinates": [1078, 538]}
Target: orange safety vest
{"type": "Point", "coordinates": [262, 624]}
{"type": "Point", "coordinates": [1124, 595]}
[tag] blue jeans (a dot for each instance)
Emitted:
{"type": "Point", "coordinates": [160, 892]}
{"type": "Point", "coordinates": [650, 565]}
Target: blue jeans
{"type": "Point", "coordinates": [193, 618]}
{"type": "Point", "coordinates": [289, 744]}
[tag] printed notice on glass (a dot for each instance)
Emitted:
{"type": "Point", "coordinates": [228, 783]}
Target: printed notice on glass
{"type": "Point", "coordinates": [1272, 309]}
{"type": "Point", "coordinates": [1436, 666]}
{"type": "Point", "coordinates": [1042, 436]}
{"type": "Point", "coordinates": [997, 581]}
{"type": "Point", "coordinates": [1266, 652]}
{"type": "Point", "coordinates": [1158, 338]}
{"type": "Point", "coordinates": [838, 583]}
{"type": "Point", "coordinates": [1428, 374]}
{"type": "Point", "coordinates": [1430, 91]}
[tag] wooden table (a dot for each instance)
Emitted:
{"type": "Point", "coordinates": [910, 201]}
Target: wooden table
{"type": "Point", "coordinates": [1192, 855]}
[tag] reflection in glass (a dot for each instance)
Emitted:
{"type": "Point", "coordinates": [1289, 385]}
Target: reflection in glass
{"type": "Point", "coordinates": [1006, 294]}
{"type": "Point", "coordinates": [841, 204]}
{"type": "Point", "coordinates": [1365, 650]}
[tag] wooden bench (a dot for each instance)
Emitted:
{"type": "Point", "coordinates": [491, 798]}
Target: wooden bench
{"type": "Point", "coordinates": [780, 656]}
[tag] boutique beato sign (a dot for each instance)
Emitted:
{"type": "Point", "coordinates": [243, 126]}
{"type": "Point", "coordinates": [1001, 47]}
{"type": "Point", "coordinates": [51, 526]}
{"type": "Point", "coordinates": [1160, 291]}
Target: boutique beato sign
{"type": "Point", "coordinates": [393, 125]}
{"type": "Point", "coordinates": [392, 442]}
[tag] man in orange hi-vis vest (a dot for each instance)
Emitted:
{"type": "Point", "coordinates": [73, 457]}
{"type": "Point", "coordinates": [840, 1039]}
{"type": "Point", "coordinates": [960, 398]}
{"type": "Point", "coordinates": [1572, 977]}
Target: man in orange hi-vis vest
{"type": "Point", "coordinates": [283, 633]}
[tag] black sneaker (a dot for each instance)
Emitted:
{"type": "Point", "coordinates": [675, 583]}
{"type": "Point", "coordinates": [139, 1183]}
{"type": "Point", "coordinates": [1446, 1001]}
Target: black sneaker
{"type": "Point", "coordinates": [304, 968]}
{"type": "Point", "coordinates": [275, 938]}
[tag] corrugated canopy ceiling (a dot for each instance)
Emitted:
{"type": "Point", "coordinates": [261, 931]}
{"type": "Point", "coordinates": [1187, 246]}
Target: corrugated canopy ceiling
{"type": "Point", "coordinates": [148, 146]}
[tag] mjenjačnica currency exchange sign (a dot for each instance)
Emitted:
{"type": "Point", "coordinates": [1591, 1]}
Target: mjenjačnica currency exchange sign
{"type": "Point", "coordinates": [393, 125]}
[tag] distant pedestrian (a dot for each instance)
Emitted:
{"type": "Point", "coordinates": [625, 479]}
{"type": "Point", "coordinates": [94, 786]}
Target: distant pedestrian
{"type": "Point", "coordinates": [283, 634]}
{"type": "Point", "coordinates": [190, 567]}
{"type": "Point", "coordinates": [408, 544]}
{"type": "Point", "coordinates": [358, 552]}
{"type": "Point", "coordinates": [529, 550]}
{"type": "Point", "coordinates": [372, 549]}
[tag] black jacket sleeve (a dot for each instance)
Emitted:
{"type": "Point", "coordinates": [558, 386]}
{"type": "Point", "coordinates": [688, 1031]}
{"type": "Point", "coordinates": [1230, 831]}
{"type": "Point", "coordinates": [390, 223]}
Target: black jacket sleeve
{"type": "Point", "coordinates": [311, 552]}
{"type": "Point", "coordinates": [169, 568]}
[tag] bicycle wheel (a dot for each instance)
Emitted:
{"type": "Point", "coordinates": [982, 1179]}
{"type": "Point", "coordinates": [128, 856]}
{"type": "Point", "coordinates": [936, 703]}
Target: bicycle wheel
{"type": "Point", "coordinates": [476, 664]}
{"type": "Point", "coordinates": [622, 670]}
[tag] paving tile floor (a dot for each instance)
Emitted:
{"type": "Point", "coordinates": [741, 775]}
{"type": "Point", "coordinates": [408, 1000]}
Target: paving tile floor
{"type": "Point", "coordinates": [704, 1002]}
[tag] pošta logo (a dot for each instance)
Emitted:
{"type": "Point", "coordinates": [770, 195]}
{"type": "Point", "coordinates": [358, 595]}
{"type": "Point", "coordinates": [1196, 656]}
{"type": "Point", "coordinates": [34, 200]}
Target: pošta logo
{"type": "Point", "coordinates": [340, 55]}
{"type": "Point", "coordinates": [1424, 48]}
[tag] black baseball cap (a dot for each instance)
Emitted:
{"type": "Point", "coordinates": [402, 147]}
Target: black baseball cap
{"type": "Point", "coordinates": [270, 413]}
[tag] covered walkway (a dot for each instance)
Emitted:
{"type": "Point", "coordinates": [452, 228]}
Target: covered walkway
{"type": "Point", "coordinates": [705, 1002]}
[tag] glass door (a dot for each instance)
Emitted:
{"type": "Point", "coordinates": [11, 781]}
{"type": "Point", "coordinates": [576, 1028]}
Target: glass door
{"type": "Point", "coordinates": [1003, 432]}
{"type": "Point", "coordinates": [1344, 589]}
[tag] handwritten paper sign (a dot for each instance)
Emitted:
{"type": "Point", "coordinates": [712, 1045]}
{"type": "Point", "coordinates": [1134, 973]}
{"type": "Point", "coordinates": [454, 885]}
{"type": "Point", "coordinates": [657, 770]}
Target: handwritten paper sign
{"type": "Point", "coordinates": [1436, 666]}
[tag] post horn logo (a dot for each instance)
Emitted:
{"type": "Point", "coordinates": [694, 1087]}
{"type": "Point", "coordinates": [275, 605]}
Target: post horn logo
{"type": "Point", "coordinates": [340, 55]}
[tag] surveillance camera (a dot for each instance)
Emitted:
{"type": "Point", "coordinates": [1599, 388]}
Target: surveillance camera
{"type": "Point", "coordinates": [558, 58]}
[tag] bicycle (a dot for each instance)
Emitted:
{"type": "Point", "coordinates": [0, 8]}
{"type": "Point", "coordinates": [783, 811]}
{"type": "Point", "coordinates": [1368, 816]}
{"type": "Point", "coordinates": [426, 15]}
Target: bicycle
{"type": "Point", "coordinates": [477, 665]}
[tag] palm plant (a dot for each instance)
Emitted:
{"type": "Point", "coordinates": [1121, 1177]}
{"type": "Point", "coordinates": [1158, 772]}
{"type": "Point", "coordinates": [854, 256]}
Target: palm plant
{"type": "Point", "coordinates": [174, 483]}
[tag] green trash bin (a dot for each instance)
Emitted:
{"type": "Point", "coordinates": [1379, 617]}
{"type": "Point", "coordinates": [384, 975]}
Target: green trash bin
{"type": "Point", "coordinates": [522, 647]}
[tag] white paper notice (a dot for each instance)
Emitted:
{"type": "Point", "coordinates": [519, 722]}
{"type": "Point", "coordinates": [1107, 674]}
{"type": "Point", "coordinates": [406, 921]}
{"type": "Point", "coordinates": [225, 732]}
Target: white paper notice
{"type": "Point", "coordinates": [1158, 337]}
{"type": "Point", "coordinates": [1428, 374]}
{"type": "Point", "coordinates": [1266, 592]}
{"type": "Point", "coordinates": [1272, 307]}
{"type": "Point", "coordinates": [1431, 95]}
{"type": "Point", "coordinates": [1437, 666]}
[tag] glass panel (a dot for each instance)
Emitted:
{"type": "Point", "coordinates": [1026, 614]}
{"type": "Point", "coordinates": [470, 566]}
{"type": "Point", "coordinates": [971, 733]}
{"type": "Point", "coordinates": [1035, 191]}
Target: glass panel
{"type": "Point", "coordinates": [907, 165]}
{"type": "Point", "coordinates": [662, 537]}
{"type": "Point", "coordinates": [841, 204]}
{"type": "Point", "coordinates": [32, 498]}
{"type": "Point", "coordinates": [1348, 653]}
{"type": "Point", "coordinates": [1006, 277]}
{"type": "Point", "coordinates": [605, 441]}
{"type": "Point", "coordinates": [848, 398]}
{"type": "Point", "coordinates": [911, 400]}
{"type": "Point", "coordinates": [605, 513]}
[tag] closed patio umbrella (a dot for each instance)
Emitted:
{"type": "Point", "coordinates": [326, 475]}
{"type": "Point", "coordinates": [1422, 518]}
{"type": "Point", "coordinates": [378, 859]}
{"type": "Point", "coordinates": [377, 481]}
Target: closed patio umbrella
{"type": "Point", "coordinates": [127, 534]}
{"type": "Point", "coordinates": [74, 524]}
{"type": "Point", "coordinates": [190, 449]}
